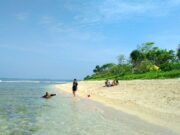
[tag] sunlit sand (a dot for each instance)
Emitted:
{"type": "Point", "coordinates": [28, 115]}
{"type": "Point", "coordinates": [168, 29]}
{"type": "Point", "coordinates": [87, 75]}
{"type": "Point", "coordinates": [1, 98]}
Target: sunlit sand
{"type": "Point", "coordinates": [155, 101]}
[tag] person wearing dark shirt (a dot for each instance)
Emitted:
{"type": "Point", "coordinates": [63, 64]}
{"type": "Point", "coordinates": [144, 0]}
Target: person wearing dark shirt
{"type": "Point", "coordinates": [74, 87]}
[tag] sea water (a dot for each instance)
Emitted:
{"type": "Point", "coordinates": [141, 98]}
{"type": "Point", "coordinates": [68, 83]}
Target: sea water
{"type": "Point", "coordinates": [24, 112]}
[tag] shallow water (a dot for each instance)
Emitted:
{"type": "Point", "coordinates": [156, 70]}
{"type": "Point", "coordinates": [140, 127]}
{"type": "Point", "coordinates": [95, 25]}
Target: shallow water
{"type": "Point", "coordinates": [23, 112]}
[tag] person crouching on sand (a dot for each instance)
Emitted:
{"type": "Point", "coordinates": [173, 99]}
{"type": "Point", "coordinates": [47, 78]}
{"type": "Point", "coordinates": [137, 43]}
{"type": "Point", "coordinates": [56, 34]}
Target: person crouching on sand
{"type": "Point", "coordinates": [74, 87]}
{"type": "Point", "coordinates": [48, 95]}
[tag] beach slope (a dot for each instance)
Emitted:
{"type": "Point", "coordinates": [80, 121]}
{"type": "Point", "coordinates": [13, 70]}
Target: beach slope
{"type": "Point", "coordinates": [155, 101]}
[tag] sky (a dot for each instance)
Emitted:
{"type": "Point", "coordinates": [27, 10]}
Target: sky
{"type": "Point", "coordinates": [66, 39]}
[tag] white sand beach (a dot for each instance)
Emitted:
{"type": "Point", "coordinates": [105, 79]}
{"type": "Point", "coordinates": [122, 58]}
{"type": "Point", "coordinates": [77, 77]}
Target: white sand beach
{"type": "Point", "coordinates": [155, 101]}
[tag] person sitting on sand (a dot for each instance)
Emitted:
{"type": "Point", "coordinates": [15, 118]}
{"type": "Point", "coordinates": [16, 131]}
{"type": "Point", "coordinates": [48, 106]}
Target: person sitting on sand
{"type": "Point", "coordinates": [74, 87]}
{"type": "Point", "coordinates": [117, 82]}
{"type": "Point", "coordinates": [107, 83]}
{"type": "Point", "coordinates": [48, 95]}
{"type": "Point", "coordinates": [113, 83]}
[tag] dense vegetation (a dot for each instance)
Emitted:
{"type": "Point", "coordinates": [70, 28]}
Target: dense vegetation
{"type": "Point", "coordinates": [145, 62]}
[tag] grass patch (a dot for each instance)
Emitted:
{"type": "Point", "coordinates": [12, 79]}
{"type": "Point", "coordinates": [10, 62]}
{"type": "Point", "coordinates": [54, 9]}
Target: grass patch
{"type": "Point", "coordinates": [148, 75]}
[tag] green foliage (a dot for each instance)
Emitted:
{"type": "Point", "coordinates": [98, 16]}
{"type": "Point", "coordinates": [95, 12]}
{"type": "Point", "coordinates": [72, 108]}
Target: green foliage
{"type": "Point", "coordinates": [107, 67]}
{"type": "Point", "coordinates": [97, 69]}
{"type": "Point", "coordinates": [104, 68]}
{"type": "Point", "coordinates": [136, 57]}
{"type": "Point", "coordinates": [160, 56]}
{"type": "Point", "coordinates": [170, 66]}
{"type": "Point", "coordinates": [87, 77]}
{"type": "Point", "coordinates": [178, 53]}
{"type": "Point", "coordinates": [121, 69]}
{"type": "Point", "coordinates": [154, 55]}
{"type": "Point", "coordinates": [175, 66]}
{"type": "Point", "coordinates": [147, 66]}
{"type": "Point", "coordinates": [146, 62]}
{"type": "Point", "coordinates": [152, 75]}
{"type": "Point", "coordinates": [147, 75]}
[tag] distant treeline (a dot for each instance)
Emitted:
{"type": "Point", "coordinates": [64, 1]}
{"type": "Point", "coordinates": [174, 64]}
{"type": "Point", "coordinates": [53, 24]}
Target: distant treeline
{"type": "Point", "coordinates": [145, 62]}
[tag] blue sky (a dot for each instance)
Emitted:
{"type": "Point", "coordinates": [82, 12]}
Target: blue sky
{"type": "Point", "coordinates": [65, 39]}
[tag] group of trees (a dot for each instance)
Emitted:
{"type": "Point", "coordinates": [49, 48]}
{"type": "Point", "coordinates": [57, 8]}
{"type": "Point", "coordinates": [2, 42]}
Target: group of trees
{"type": "Point", "coordinates": [146, 58]}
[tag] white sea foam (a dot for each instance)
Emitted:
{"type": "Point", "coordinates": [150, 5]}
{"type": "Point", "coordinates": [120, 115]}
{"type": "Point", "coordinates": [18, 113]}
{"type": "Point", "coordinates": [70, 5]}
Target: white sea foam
{"type": "Point", "coordinates": [30, 81]}
{"type": "Point", "coordinates": [20, 81]}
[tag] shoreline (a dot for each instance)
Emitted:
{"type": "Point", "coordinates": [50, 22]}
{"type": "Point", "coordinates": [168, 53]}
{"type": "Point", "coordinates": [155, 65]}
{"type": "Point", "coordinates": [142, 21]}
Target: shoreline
{"type": "Point", "coordinates": [155, 101]}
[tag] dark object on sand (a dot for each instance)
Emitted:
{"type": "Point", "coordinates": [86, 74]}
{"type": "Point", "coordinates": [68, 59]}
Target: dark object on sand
{"type": "Point", "coordinates": [48, 95]}
{"type": "Point", "coordinates": [88, 95]}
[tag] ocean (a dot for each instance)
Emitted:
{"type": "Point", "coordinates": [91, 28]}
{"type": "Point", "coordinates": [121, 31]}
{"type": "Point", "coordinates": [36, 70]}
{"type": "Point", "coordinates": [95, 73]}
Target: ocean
{"type": "Point", "coordinates": [24, 112]}
{"type": "Point", "coordinates": [21, 105]}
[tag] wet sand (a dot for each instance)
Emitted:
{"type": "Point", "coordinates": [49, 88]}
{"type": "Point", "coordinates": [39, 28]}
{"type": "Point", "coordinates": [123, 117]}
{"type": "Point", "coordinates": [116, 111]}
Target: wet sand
{"type": "Point", "coordinates": [154, 101]}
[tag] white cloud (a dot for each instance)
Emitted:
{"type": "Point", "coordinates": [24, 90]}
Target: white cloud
{"type": "Point", "coordinates": [46, 20]}
{"type": "Point", "coordinates": [117, 8]}
{"type": "Point", "coordinates": [21, 16]}
{"type": "Point", "coordinates": [109, 10]}
{"type": "Point", "coordinates": [68, 32]}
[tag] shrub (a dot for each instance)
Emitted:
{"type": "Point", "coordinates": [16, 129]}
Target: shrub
{"type": "Point", "coordinates": [147, 66]}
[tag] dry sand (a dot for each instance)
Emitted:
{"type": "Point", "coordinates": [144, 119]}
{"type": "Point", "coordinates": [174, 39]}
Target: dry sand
{"type": "Point", "coordinates": [155, 101]}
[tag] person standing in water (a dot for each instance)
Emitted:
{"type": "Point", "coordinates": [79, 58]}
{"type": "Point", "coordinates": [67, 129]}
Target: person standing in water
{"type": "Point", "coordinates": [74, 87]}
